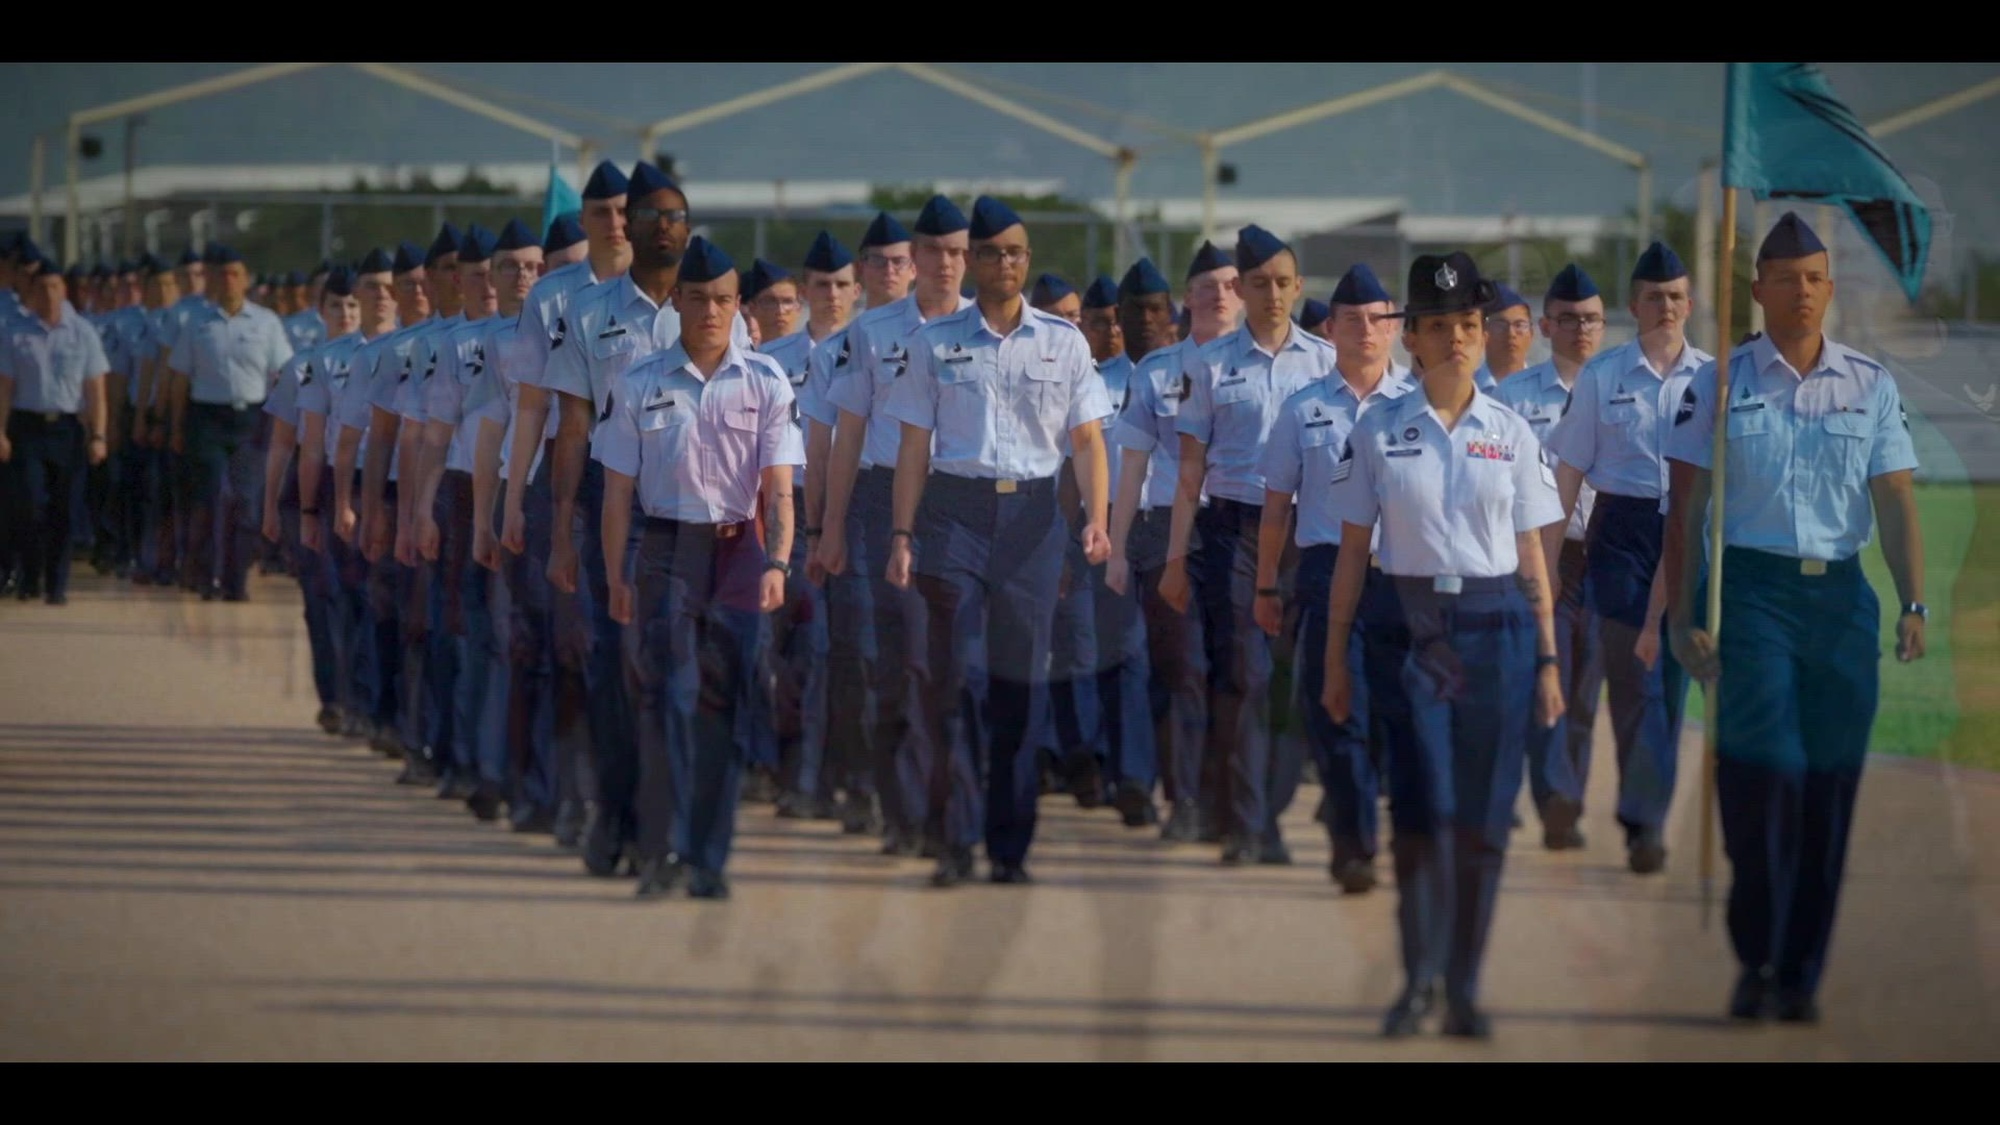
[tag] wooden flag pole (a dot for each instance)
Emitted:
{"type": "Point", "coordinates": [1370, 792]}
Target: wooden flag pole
{"type": "Point", "coordinates": [1719, 460]}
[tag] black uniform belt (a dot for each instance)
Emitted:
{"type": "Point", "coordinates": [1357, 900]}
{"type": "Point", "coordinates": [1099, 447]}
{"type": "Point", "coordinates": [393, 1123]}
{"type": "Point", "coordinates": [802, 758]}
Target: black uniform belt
{"type": "Point", "coordinates": [953, 483]}
{"type": "Point", "coordinates": [229, 406]}
{"type": "Point", "coordinates": [720, 530]}
{"type": "Point", "coordinates": [1741, 560]}
{"type": "Point", "coordinates": [44, 417]}
{"type": "Point", "coordinates": [1225, 504]}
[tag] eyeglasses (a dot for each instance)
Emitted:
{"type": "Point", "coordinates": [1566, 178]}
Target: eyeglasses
{"type": "Point", "coordinates": [889, 262]}
{"type": "Point", "coordinates": [782, 304]}
{"type": "Point", "coordinates": [654, 214]}
{"type": "Point", "coordinates": [511, 268]}
{"type": "Point", "coordinates": [1570, 322]}
{"type": "Point", "coordinates": [1015, 255]}
{"type": "Point", "coordinates": [1503, 324]}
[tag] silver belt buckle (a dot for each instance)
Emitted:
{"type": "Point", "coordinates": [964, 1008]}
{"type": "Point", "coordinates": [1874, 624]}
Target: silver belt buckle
{"type": "Point", "coordinates": [1812, 568]}
{"type": "Point", "coordinates": [51, 416]}
{"type": "Point", "coordinates": [1447, 584]}
{"type": "Point", "coordinates": [1005, 486]}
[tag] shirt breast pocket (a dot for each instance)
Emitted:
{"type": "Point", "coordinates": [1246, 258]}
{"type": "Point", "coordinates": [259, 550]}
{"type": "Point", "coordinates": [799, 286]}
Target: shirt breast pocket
{"type": "Point", "coordinates": [1848, 438]}
{"type": "Point", "coordinates": [1624, 413]}
{"type": "Point", "coordinates": [613, 353]}
{"type": "Point", "coordinates": [1321, 446]}
{"type": "Point", "coordinates": [1049, 393]}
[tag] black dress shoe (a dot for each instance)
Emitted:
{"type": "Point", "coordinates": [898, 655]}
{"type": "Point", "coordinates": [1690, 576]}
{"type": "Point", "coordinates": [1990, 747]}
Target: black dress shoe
{"type": "Point", "coordinates": [329, 720]}
{"type": "Point", "coordinates": [56, 599]}
{"type": "Point", "coordinates": [1463, 1021]}
{"type": "Point", "coordinates": [954, 867]}
{"type": "Point", "coordinates": [1406, 1016]}
{"type": "Point", "coordinates": [1355, 876]}
{"type": "Point", "coordinates": [1183, 824]}
{"type": "Point", "coordinates": [1794, 1006]}
{"type": "Point", "coordinates": [1750, 1001]}
{"type": "Point", "coordinates": [1237, 851]}
{"type": "Point", "coordinates": [859, 817]}
{"type": "Point", "coordinates": [1647, 853]}
{"type": "Point", "coordinates": [532, 818]}
{"type": "Point", "coordinates": [485, 802]}
{"type": "Point", "coordinates": [904, 844]}
{"type": "Point", "coordinates": [658, 877]}
{"type": "Point", "coordinates": [601, 846]}
{"type": "Point", "coordinates": [1010, 873]}
{"type": "Point", "coordinates": [1135, 806]}
{"type": "Point", "coordinates": [707, 884]}
{"type": "Point", "coordinates": [1273, 852]}
{"type": "Point", "coordinates": [416, 770]}
{"type": "Point", "coordinates": [1084, 779]}
{"type": "Point", "coordinates": [1559, 817]}
{"type": "Point", "coordinates": [569, 823]}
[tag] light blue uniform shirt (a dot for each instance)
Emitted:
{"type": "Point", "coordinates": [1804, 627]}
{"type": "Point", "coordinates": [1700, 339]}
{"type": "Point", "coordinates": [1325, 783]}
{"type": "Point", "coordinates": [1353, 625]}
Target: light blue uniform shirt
{"type": "Point", "coordinates": [545, 317]}
{"type": "Point", "coordinates": [698, 447]}
{"type": "Point", "coordinates": [1303, 452]}
{"type": "Point", "coordinates": [1234, 389]}
{"type": "Point", "coordinates": [1117, 374]}
{"type": "Point", "coordinates": [461, 361]}
{"type": "Point", "coordinates": [1537, 394]}
{"type": "Point", "coordinates": [283, 401]}
{"type": "Point", "coordinates": [324, 379]}
{"type": "Point", "coordinates": [509, 348]}
{"type": "Point", "coordinates": [1484, 380]}
{"type": "Point", "coordinates": [49, 366]}
{"type": "Point", "coordinates": [229, 360]}
{"type": "Point", "coordinates": [1801, 449]}
{"type": "Point", "coordinates": [1150, 419]}
{"type": "Point", "coordinates": [608, 328]}
{"type": "Point", "coordinates": [176, 320]}
{"type": "Point", "coordinates": [380, 368]}
{"type": "Point", "coordinates": [425, 360]}
{"type": "Point", "coordinates": [862, 387]}
{"type": "Point", "coordinates": [998, 407]}
{"type": "Point", "coordinates": [827, 360]}
{"type": "Point", "coordinates": [794, 354]}
{"type": "Point", "coordinates": [1449, 503]}
{"type": "Point", "coordinates": [306, 329]}
{"type": "Point", "coordinates": [1618, 418]}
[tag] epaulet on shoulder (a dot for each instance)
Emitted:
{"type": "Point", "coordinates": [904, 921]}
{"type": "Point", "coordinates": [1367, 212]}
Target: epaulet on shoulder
{"type": "Point", "coordinates": [1049, 318]}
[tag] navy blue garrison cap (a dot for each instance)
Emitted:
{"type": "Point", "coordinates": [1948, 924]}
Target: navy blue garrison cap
{"type": "Point", "coordinates": [100, 272]}
{"type": "Point", "coordinates": [1102, 294]}
{"type": "Point", "coordinates": [1505, 298]}
{"type": "Point", "coordinates": [564, 233]}
{"type": "Point", "coordinates": [1359, 286]}
{"type": "Point", "coordinates": [1790, 238]}
{"type": "Point", "coordinates": [447, 241]}
{"type": "Point", "coordinates": [11, 245]}
{"type": "Point", "coordinates": [514, 236]}
{"type": "Point", "coordinates": [1659, 263]}
{"type": "Point", "coordinates": [475, 246]}
{"type": "Point", "coordinates": [646, 180]}
{"type": "Point", "coordinates": [295, 278]}
{"type": "Point", "coordinates": [149, 265]}
{"type": "Point", "coordinates": [1313, 313]}
{"type": "Point", "coordinates": [990, 217]}
{"type": "Point", "coordinates": [377, 261]}
{"type": "Point", "coordinates": [1205, 259]}
{"type": "Point", "coordinates": [191, 257]}
{"type": "Point", "coordinates": [606, 182]}
{"type": "Point", "coordinates": [339, 283]}
{"type": "Point", "coordinates": [704, 261]}
{"type": "Point", "coordinates": [220, 255]}
{"type": "Point", "coordinates": [884, 231]}
{"type": "Point", "coordinates": [827, 254]}
{"type": "Point", "coordinates": [1447, 284]}
{"type": "Point", "coordinates": [325, 266]}
{"type": "Point", "coordinates": [762, 276]}
{"type": "Point", "coordinates": [941, 216]}
{"type": "Point", "coordinates": [1144, 277]}
{"type": "Point", "coordinates": [1255, 246]}
{"type": "Point", "coordinates": [408, 257]}
{"type": "Point", "coordinates": [1572, 284]}
{"type": "Point", "coordinates": [75, 272]}
{"type": "Point", "coordinates": [1049, 289]}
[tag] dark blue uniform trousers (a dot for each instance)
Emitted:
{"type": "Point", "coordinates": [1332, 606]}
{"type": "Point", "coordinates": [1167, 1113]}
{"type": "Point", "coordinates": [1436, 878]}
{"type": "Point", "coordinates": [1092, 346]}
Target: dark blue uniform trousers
{"type": "Point", "coordinates": [1072, 723]}
{"type": "Point", "coordinates": [353, 627]}
{"type": "Point", "coordinates": [608, 672]}
{"type": "Point", "coordinates": [1798, 691]}
{"type": "Point", "coordinates": [1470, 679]}
{"type": "Point", "coordinates": [1121, 674]}
{"type": "Point", "coordinates": [1177, 686]}
{"type": "Point", "coordinates": [472, 612]}
{"type": "Point", "coordinates": [693, 650]}
{"type": "Point", "coordinates": [1625, 539]}
{"type": "Point", "coordinates": [1559, 758]}
{"type": "Point", "coordinates": [1222, 568]}
{"type": "Point", "coordinates": [1351, 755]}
{"type": "Point", "coordinates": [224, 475]}
{"type": "Point", "coordinates": [387, 595]}
{"type": "Point", "coordinates": [317, 584]}
{"type": "Point", "coordinates": [793, 666]}
{"type": "Point", "coordinates": [548, 647]}
{"type": "Point", "coordinates": [47, 457]}
{"type": "Point", "coordinates": [887, 628]}
{"type": "Point", "coordinates": [988, 565]}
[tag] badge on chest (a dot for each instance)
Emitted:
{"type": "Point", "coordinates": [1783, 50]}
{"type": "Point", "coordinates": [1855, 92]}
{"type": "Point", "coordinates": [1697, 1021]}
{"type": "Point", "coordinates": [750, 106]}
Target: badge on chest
{"type": "Point", "coordinates": [1487, 449]}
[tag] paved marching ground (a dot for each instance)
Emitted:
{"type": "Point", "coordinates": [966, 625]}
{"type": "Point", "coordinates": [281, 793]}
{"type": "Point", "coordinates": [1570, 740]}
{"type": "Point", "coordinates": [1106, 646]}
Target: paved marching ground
{"type": "Point", "coordinates": [189, 869]}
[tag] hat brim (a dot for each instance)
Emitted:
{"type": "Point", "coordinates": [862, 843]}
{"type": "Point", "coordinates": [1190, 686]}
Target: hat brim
{"type": "Point", "coordinates": [1482, 294]}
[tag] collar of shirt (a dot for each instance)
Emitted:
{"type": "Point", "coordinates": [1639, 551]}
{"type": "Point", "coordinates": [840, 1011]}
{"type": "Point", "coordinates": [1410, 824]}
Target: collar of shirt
{"type": "Point", "coordinates": [66, 317]}
{"type": "Point", "coordinates": [1635, 360]}
{"type": "Point", "coordinates": [1765, 355]}
{"type": "Point", "coordinates": [1387, 387]}
{"type": "Point", "coordinates": [676, 358]}
{"type": "Point", "coordinates": [975, 319]}
{"type": "Point", "coordinates": [1246, 345]}
{"type": "Point", "coordinates": [1411, 407]}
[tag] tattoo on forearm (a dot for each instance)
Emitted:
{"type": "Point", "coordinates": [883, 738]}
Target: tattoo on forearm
{"type": "Point", "coordinates": [1531, 588]}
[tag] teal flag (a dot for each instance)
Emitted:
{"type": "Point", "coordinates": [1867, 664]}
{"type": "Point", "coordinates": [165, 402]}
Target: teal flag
{"type": "Point", "coordinates": [1787, 137]}
{"type": "Point", "coordinates": [561, 200]}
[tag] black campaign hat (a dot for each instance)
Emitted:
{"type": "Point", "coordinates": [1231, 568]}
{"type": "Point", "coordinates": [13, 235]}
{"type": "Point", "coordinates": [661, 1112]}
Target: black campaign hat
{"type": "Point", "coordinates": [1447, 284]}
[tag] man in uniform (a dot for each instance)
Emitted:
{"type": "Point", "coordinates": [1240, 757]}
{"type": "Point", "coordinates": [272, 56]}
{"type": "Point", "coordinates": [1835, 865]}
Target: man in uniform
{"type": "Point", "coordinates": [1066, 731]}
{"type": "Point", "coordinates": [223, 363]}
{"type": "Point", "coordinates": [52, 369]}
{"type": "Point", "coordinates": [554, 624]}
{"type": "Point", "coordinates": [998, 386]}
{"type": "Point", "coordinates": [1233, 389]}
{"type": "Point", "coordinates": [1461, 491]}
{"type": "Point", "coordinates": [157, 389]}
{"type": "Point", "coordinates": [1509, 334]}
{"type": "Point", "coordinates": [304, 325]}
{"type": "Point", "coordinates": [1149, 476]}
{"type": "Point", "coordinates": [796, 658]}
{"type": "Point", "coordinates": [856, 539]}
{"type": "Point", "coordinates": [1610, 437]}
{"type": "Point", "coordinates": [694, 436]}
{"type": "Point", "coordinates": [771, 297]}
{"type": "Point", "coordinates": [1316, 317]}
{"type": "Point", "coordinates": [887, 267]}
{"type": "Point", "coordinates": [1300, 460]}
{"type": "Point", "coordinates": [284, 504]}
{"type": "Point", "coordinates": [1796, 668]}
{"type": "Point", "coordinates": [1559, 759]}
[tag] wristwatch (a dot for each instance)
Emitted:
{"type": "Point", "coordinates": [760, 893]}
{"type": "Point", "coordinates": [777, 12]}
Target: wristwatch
{"type": "Point", "coordinates": [779, 565]}
{"type": "Point", "coordinates": [1542, 662]}
{"type": "Point", "coordinates": [1918, 608]}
